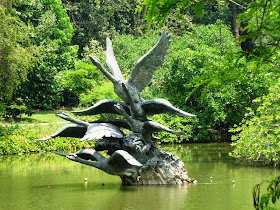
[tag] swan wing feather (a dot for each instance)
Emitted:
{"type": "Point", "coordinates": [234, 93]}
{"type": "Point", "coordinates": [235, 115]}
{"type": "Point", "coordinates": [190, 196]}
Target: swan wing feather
{"type": "Point", "coordinates": [103, 106]}
{"type": "Point", "coordinates": [111, 61]}
{"type": "Point", "coordinates": [100, 130]}
{"type": "Point", "coordinates": [69, 130]}
{"type": "Point", "coordinates": [145, 67]}
{"type": "Point", "coordinates": [160, 106]}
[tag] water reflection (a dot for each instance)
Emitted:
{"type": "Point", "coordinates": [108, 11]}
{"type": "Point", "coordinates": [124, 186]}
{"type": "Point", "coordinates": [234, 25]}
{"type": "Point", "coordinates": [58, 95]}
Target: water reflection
{"type": "Point", "coordinates": [152, 197]}
{"type": "Point", "coordinates": [47, 181]}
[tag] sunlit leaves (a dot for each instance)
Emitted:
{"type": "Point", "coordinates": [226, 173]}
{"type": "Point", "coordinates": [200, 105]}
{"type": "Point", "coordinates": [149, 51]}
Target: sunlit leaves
{"type": "Point", "coordinates": [158, 10]}
{"type": "Point", "coordinates": [259, 138]}
{"type": "Point", "coordinates": [262, 26]}
{"type": "Point", "coordinates": [200, 74]}
{"type": "Point", "coordinates": [52, 32]}
{"type": "Point", "coordinates": [15, 53]}
{"type": "Point", "coordinates": [98, 19]}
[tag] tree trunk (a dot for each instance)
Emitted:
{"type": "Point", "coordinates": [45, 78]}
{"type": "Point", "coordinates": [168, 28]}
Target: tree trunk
{"type": "Point", "coordinates": [235, 25]}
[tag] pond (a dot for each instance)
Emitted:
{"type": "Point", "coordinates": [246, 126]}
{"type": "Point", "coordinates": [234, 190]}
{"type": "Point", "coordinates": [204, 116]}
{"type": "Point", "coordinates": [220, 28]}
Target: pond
{"type": "Point", "coordinates": [48, 181]}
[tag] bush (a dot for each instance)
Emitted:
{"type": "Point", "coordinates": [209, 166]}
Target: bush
{"type": "Point", "coordinates": [15, 109]}
{"type": "Point", "coordinates": [104, 91]}
{"type": "Point", "coordinates": [212, 78]}
{"type": "Point", "coordinates": [8, 130]}
{"type": "Point", "coordinates": [78, 81]}
{"type": "Point", "coordinates": [259, 137]}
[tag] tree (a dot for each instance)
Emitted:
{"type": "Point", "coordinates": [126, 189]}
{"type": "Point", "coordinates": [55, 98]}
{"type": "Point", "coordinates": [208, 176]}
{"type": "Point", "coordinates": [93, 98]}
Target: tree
{"type": "Point", "coordinates": [238, 77]}
{"type": "Point", "coordinates": [16, 53]}
{"type": "Point", "coordinates": [262, 29]}
{"type": "Point", "coordinates": [52, 32]}
{"type": "Point", "coordinates": [258, 136]}
{"type": "Point", "coordinates": [98, 19]}
{"type": "Point", "coordinates": [158, 10]}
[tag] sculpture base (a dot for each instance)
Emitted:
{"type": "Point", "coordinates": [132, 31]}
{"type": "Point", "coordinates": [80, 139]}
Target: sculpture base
{"type": "Point", "coordinates": [162, 169]}
{"type": "Point", "coordinates": [162, 177]}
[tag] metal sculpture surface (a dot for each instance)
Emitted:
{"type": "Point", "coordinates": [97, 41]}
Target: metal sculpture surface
{"type": "Point", "coordinates": [134, 157]}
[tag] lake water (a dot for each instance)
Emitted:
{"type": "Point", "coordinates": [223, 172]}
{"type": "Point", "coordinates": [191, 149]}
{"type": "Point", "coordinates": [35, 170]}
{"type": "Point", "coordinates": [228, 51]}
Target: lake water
{"type": "Point", "coordinates": [48, 181]}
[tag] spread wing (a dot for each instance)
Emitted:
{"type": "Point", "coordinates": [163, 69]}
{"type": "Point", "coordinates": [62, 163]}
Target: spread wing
{"type": "Point", "coordinates": [116, 122]}
{"type": "Point", "coordinates": [70, 130]}
{"type": "Point", "coordinates": [103, 106]}
{"type": "Point", "coordinates": [160, 106]}
{"type": "Point", "coordinates": [112, 62]}
{"type": "Point", "coordinates": [144, 69]}
{"type": "Point", "coordinates": [121, 160]}
{"type": "Point", "coordinates": [151, 126]}
{"type": "Point", "coordinates": [100, 130]}
{"type": "Point", "coordinates": [86, 154]}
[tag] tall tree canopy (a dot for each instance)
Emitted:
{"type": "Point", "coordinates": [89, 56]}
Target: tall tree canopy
{"type": "Point", "coordinates": [52, 32]}
{"type": "Point", "coordinates": [98, 19]}
{"type": "Point", "coordinates": [15, 51]}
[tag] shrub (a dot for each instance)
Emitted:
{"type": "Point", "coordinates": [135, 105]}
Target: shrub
{"type": "Point", "coordinates": [78, 81]}
{"type": "Point", "coordinates": [104, 91]}
{"type": "Point", "coordinates": [259, 137]}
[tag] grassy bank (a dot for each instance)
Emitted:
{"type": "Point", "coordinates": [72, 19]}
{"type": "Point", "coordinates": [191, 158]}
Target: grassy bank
{"type": "Point", "coordinates": [37, 117]}
{"type": "Point", "coordinates": [20, 137]}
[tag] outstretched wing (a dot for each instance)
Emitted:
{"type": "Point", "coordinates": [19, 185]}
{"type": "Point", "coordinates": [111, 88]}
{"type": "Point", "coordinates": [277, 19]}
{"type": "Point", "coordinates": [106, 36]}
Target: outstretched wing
{"type": "Point", "coordinates": [86, 154]}
{"type": "Point", "coordinates": [117, 122]}
{"type": "Point", "coordinates": [151, 126]}
{"type": "Point", "coordinates": [103, 106]}
{"type": "Point", "coordinates": [160, 106]}
{"type": "Point", "coordinates": [70, 130]}
{"type": "Point", "coordinates": [100, 130]}
{"type": "Point", "coordinates": [144, 69]}
{"type": "Point", "coordinates": [112, 62]}
{"type": "Point", "coordinates": [121, 159]}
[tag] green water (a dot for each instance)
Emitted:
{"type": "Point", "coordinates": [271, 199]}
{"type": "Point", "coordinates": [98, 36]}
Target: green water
{"type": "Point", "coordinates": [48, 181]}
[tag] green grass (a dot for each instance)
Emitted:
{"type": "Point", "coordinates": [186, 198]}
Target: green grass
{"type": "Point", "coordinates": [50, 117]}
{"type": "Point", "coordinates": [38, 117]}
{"type": "Point", "coordinates": [43, 117]}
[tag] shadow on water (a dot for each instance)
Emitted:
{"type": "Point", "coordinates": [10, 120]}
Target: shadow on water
{"type": "Point", "coordinates": [48, 181]}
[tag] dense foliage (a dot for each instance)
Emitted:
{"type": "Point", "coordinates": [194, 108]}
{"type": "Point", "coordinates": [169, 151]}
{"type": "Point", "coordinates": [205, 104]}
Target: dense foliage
{"type": "Point", "coordinates": [52, 32]}
{"type": "Point", "coordinates": [259, 135]}
{"type": "Point", "coordinates": [240, 77]}
{"type": "Point", "coordinates": [201, 76]}
{"type": "Point", "coordinates": [94, 20]}
{"type": "Point", "coordinates": [16, 53]}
